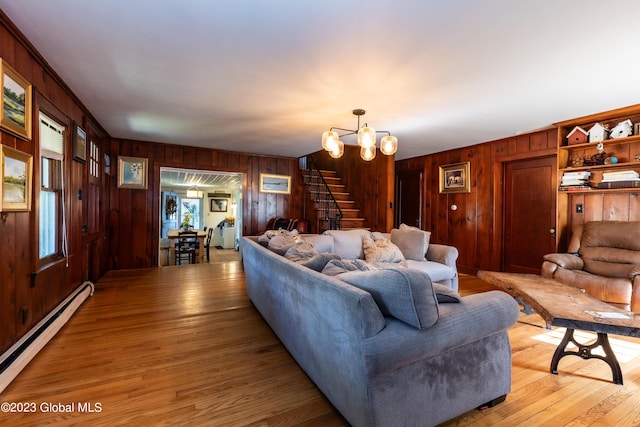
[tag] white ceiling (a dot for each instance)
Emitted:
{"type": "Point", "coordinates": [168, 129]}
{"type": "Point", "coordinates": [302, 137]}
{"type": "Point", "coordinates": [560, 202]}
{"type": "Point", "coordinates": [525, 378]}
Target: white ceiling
{"type": "Point", "coordinates": [269, 77]}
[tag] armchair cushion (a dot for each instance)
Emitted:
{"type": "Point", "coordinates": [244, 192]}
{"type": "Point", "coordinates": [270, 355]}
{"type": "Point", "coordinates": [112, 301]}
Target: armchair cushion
{"type": "Point", "coordinates": [568, 261]}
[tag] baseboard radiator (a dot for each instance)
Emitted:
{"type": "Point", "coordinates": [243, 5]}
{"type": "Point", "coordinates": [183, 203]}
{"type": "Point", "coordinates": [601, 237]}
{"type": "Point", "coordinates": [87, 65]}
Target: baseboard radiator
{"type": "Point", "coordinates": [13, 361]}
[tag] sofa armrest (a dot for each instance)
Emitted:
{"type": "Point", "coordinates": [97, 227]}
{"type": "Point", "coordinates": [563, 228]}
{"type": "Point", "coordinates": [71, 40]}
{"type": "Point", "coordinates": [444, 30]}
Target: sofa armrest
{"type": "Point", "coordinates": [443, 254]}
{"type": "Point", "coordinates": [566, 261]}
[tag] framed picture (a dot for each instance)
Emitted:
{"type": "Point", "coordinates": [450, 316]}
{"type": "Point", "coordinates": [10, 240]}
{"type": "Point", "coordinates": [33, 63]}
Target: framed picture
{"type": "Point", "coordinates": [79, 143]}
{"type": "Point", "coordinates": [455, 178]}
{"type": "Point", "coordinates": [218, 205]}
{"type": "Point", "coordinates": [275, 183]}
{"type": "Point", "coordinates": [16, 102]}
{"type": "Point", "coordinates": [15, 186]}
{"type": "Point", "coordinates": [132, 172]}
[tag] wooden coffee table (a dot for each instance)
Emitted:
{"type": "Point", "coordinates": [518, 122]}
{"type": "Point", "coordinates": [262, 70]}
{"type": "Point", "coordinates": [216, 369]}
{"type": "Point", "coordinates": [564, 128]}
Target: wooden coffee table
{"type": "Point", "coordinates": [570, 307]}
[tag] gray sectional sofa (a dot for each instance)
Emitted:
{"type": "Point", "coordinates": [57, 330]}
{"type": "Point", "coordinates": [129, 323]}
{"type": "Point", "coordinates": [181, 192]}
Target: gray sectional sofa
{"type": "Point", "coordinates": [386, 346]}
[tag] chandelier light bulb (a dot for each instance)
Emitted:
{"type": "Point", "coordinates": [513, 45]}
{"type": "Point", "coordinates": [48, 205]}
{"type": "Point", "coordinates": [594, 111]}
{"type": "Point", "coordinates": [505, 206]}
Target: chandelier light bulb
{"type": "Point", "coordinates": [330, 140]}
{"type": "Point", "coordinates": [389, 145]}
{"type": "Point", "coordinates": [338, 150]}
{"type": "Point", "coordinates": [366, 137]}
{"type": "Point", "coordinates": [368, 153]}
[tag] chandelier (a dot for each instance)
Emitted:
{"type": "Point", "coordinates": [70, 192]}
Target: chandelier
{"type": "Point", "coordinates": [366, 140]}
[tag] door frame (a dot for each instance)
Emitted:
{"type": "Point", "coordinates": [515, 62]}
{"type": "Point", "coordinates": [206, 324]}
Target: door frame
{"type": "Point", "coordinates": [496, 244]}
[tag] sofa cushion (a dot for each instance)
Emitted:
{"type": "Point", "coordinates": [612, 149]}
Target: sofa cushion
{"type": "Point", "coordinates": [348, 243]}
{"type": "Point", "coordinates": [381, 250]}
{"type": "Point", "coordinates": [412, 241]}
{"type": "Point", "coordinates": [437, 272]}
{"type": "Point", "coordinates": [339, 266]}
{"type": "Point", "coordinates": [321, 242]}
{"type": "Point", "coordinates": [404, 294]}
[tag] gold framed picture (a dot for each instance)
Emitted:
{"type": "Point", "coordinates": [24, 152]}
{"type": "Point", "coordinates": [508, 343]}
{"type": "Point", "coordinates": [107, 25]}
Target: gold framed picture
{"type": "Point", "coordinates": [280, 184]}
{"type": "Point", "coordinates": [15, 109]}
{"type": "Point", "coordinates": [132, 172]}
{"type": "Point", "coordinates": [455, 178]}
{"type": "Point", "coordinates": [15, 187]}
{"type": "Point", "coordinates": [79, 143]}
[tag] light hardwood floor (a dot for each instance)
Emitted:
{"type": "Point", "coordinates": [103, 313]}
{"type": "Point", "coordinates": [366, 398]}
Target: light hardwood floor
{"type": "Point", "coordinates": [182, 345]}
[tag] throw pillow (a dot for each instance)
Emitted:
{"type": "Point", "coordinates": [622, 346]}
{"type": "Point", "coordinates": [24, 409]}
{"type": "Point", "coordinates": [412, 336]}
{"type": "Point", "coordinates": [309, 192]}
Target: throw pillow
{"type": "Point", "coordinates": [381, 250]}
{"type": "Point", "coordinates": [404, 294]}
{"type": "Point", "coordinates": [412, 241]}
{"type": "Point", "coordinates": [445, 294]}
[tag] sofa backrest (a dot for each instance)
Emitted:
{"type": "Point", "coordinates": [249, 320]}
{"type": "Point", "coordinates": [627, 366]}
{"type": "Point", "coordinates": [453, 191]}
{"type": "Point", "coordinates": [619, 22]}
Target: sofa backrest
{"type": "Point", "coordinates": [610, 248]}
{"type": "Point", "coordinates": [348, 243]}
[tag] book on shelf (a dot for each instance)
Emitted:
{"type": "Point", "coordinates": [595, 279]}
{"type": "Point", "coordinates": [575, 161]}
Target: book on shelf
{"type": "Point", "coordinates": [619, 184]}
{"type": "Point", "coordinates": [576, 175]}
{"type": "Point", "coordinates": [575, 188]}
{"type": "Point", "coordinates": [626, 175]}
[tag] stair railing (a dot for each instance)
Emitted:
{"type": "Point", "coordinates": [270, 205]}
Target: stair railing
{"type": "Point", "coordinates": [329, 210]}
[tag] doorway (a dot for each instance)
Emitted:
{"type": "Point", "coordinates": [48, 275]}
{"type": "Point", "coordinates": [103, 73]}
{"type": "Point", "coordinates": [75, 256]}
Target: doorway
{"type": "Point", "coordinates": [409, 198]}
{"type": "Point", "coordinates": [210, 201]}
{"type": "Point", "coordinates": [529, 213]}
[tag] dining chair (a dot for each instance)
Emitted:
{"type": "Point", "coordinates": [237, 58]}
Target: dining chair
{"type": "Point", "coordinates": [186, 247]}
{"type": "Point", "coordinates": [207, 242]}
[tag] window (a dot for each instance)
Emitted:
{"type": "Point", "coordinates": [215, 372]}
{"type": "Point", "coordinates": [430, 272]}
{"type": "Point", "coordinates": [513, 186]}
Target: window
{"type": "Point", "coordinates": [94, 160]}
{"type": "Point", "coordinates": [52, 220]}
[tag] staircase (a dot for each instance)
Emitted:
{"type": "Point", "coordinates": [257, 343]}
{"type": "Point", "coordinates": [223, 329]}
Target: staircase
{"type": "Point", "coordinates": [321, 209]}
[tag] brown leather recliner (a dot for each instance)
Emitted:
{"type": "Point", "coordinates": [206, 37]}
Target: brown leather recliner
{"type": "Point", "coordinates": [604, 260]}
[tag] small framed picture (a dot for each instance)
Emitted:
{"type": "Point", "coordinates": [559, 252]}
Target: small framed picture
{"type": "Point", "coordinates": [280, 184]}
{"type": "Point", "coordinates": [15, 109]}
{"type": "Point", "coordinates": [218, 205]}
{"type": "Point", "coordinates": [79, 143]}
{"type": "Point", "coordinates": [132, 172]}
{"type": "Point", "coordinates": [15, 186]}
{"type": "Point", "coordinates": [455, 178]}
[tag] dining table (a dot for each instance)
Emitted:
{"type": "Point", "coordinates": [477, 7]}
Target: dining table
{"type": "Point", "coordinates": [172, 235]}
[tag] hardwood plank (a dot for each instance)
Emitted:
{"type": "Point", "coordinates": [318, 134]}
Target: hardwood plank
{"type": "Point", "coordinates": [184, 345]}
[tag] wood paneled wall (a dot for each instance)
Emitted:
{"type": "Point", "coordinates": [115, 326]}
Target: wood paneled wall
{"type": "Point", "coordinates": [135, 214]}
{"type": "Point", "coordinates": [29, 289]}
{"type": "Point", "coordinates": [475, 227]}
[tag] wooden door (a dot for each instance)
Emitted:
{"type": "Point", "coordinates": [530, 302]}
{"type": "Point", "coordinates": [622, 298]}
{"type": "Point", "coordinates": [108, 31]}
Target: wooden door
{"type": "Point", "coordinates": [409, 198]}
{"type": "Point", "coordinates": [529, 213]}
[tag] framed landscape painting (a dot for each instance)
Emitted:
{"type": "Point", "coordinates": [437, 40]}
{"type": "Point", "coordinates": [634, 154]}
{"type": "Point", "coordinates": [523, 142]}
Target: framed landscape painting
{"type": "Point", "coordinates": [15, 186]}
{"type": "Point", "coordinates": [15, 109]}
{"type": "Point", "coordinates": [275, 183]}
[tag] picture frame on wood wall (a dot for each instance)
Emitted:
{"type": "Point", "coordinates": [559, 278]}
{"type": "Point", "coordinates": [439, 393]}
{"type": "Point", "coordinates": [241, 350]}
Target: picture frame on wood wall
{"type": "Point", "coordinates": [79, 143]}
{"type": "Point", "coordinates": [218, 205]}
{"type": "Point", "coordinates": [279, 184]}
{"type": "Point", "coordinates": [15, 187]}
{"type": "Point", "coordinates": [455, 178]}
{"type": "Point", "coordinates": [15, 109]}
{"type": "Point", "coordinates": [132, 172]}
